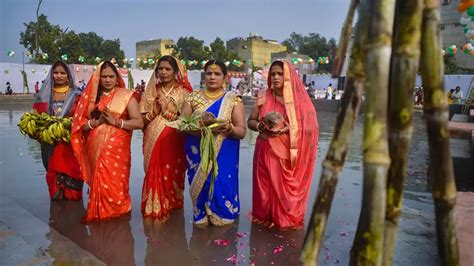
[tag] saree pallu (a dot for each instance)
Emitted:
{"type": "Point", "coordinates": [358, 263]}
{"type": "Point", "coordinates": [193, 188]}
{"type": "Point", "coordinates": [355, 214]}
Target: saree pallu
{"type": "Point", "coordinates": [109, 153]}
{"type": "Point", "coordinates": [224, 205]}
{"type": "Point", "coordinates": [283, 165]}
{"type": "Point", "coordinates": [163, 185]}
{"type": "Point", "coordinates": [163, 158]}
{"type": "Point", "coordinates": [104, 156]}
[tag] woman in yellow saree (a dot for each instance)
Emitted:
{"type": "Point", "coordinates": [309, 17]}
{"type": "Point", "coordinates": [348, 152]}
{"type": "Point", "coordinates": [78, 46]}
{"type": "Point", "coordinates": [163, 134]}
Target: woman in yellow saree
{"type": "Point", "coordinates": [163, 146]}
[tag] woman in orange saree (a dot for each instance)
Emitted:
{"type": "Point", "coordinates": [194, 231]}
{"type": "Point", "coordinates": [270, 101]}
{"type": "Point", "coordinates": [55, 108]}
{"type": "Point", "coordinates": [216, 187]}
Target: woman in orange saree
{"type": "Point", "coordinates": [285, 150]}
{"type": "Point", "coordinates": [101, 137]}
{"type": "Point", "coordinates": [163, 146]}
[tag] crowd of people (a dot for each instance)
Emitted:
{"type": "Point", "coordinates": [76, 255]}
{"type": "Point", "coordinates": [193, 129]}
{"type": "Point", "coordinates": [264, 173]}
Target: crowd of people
{"type": "Point", "coordinates": [105, 113]}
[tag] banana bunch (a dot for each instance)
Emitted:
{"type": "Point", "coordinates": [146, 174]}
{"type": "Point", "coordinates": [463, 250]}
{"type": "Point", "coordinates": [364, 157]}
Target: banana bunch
{"type": "Point", "coordinates": [46, 128]}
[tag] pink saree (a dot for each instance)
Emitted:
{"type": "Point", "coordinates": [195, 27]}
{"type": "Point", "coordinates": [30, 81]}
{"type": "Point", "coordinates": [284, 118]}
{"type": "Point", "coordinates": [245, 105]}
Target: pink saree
{"type": "Point", "coordinates": [283, 165]}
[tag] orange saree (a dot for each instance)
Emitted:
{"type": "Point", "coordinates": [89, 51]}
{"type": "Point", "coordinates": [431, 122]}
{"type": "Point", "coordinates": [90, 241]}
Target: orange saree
{"type": "Point", "coordinates": [283, 165]}
{"type": "Point", "coordinates": [104, 153]}
{"type": "Point", "coordinates": [163, 151]}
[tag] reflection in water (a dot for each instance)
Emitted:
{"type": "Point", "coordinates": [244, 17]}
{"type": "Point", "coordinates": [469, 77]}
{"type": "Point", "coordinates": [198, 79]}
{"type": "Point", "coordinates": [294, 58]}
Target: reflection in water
{"type": "Point", "coordinates": [213, 245]}
{"type": "Point", "coordinates": [112, 241]}
{"type": "Point", "coordinates": [34, 149]}
{"type": "Point", "coordinates": [10, 117]}
{"type": "Point", "coordinates": [22, 178]}
{"type": "Point", "coordinates": [166, 241]}
{"type": "Point", "coordinates": [65, 218]}
{"type": "Point", "coordinates": [275, 246]}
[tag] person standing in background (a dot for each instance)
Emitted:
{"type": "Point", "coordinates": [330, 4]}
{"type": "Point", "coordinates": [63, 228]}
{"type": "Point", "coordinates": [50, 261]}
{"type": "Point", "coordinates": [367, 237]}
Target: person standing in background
{"type": "Point", "coordinates": [37, 87]}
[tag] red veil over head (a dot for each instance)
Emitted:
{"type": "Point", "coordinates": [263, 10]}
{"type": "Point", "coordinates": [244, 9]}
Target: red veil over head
{"type": "Point", "coordinates": [303, 122]}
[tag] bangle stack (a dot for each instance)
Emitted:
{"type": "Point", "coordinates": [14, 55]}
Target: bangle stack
{"type": "Point", "coordinates": [147, 116]}
{"type": "Point", "coordinates": [119, 123]}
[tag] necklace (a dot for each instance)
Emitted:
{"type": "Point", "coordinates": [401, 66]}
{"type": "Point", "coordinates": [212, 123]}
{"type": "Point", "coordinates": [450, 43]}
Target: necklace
{"type": "Point", "coordinates": [62, 90]}
{"type": "Point", "coordinates": [167, 93]}
{"type": "Point", "coordinates": [109, 92]}
{"type": "Point", "coordinates": [213, 95]}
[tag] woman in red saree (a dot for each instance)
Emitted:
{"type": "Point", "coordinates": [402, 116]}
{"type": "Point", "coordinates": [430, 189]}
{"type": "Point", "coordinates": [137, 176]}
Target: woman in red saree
{"type": "Point", "coordinates": [163, 147]}
{"type": "Point", "coordinates": [101, 136]}
{"type": "Point", "coordinates": [58, 97]}
{"type": "Point", "coordinates": [284, 153]}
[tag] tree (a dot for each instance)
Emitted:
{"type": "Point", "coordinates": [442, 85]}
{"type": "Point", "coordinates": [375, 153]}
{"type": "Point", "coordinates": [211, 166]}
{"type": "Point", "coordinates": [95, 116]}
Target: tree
{"type": "Point", "coordinates": [36, 29]}
{"type": "Point", "coordinates": [111, 49]}
{"type": "Point", "coordinates": [47, 40]}
{"type": "Point", "coordinates": [91, 45]}
{"type": "Point", "coordinates": [55, 41]}
{"type": "Point", "coordinates": [294, 43]}
{"type": "Point", "coordinates": [313, 45]}
{"type": "Point", "coordinates": [155, 55]}
{"type": "Point", "coordinates": [190, 48]}
{"type": "Point", "coordinates": [219, 51]}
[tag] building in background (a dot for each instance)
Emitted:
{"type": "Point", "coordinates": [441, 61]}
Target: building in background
{"type": "Point", "coordinates": [453, 33]}
{"type": "Point", "coordinates": [303, 68]}
{"type": "Point", "coordinates": [255, 48]}
{"type": "Point", "coordinates": [164, 46]}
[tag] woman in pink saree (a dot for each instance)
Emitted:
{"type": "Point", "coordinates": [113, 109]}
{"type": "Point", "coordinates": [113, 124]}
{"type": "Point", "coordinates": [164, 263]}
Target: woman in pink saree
{"type": "Point", "coordinates": [285, 150]}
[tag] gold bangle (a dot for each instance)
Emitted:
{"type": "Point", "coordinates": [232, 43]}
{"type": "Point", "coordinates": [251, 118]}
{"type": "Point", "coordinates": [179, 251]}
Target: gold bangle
{"type": "Point", "coordinates": [147, 116]}
{"type": "Point", "coordinates": [232, 128]}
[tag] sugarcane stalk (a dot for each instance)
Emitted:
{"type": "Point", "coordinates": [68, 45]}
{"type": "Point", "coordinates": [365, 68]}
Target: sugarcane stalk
{"type": "Point", "coordinates": [344, 40]}
{"type": "Point", "coordinates": [403, 70]}
{"type": "Point", "coordinates": [436, 115]}
{"type": "Point", "coordinates": [336, 155]}
{"type": "Point", "coordinates": [367, 248]}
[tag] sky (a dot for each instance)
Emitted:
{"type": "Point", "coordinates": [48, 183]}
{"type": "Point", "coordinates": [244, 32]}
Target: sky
{"type": "Point", "coordinates": [136, 20]}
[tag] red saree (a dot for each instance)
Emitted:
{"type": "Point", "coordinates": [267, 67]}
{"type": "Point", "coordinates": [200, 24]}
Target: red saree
{"type": "Point", "coordinates": [163, 152]}
{"type": "Point", "coordinates": [104, 152]}
{"type": "Point", "coordinates": [283, 165]}
{"type": "Point", "coordinates": [62, 169]}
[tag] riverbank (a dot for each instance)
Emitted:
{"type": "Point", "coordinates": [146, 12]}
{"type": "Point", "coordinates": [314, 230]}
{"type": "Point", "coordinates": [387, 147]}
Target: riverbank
{"type": "Point", "coordinates": [26, 100]}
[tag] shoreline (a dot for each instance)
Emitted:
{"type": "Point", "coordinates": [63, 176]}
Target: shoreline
{"type": "Point", "coordinates": [26, 100]}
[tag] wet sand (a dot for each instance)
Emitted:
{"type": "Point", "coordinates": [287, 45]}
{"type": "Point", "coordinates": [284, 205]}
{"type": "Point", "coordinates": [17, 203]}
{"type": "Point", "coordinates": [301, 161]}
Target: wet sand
{"type": "Point", "coordinates": [132, 240]}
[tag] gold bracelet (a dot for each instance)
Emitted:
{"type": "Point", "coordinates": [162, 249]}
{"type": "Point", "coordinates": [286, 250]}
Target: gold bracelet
{"type": "Point", "coordinates": [232, 128]}
{"type": "Point", "coordinates": [147, 116]}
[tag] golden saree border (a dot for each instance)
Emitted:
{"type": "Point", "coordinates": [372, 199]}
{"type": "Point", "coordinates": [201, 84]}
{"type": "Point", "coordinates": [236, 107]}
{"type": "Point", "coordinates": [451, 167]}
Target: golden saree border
{"type": "Point", "coordinates": [95, 79]}
{"type": "Point", "coordinates": [146, 104]}
{"type": "Point", "coordinates": [100, 136]}
{"type": "Point", "coordinates": [152, 132]}
{"type": "Point", "coordinates": [225, 112]}
{"type": "Point", "coordinates": [155, 127]}
{"type": "Point", "coordinates": [291, 112]}
{"type": "Point", "coordinates": [215, 219]}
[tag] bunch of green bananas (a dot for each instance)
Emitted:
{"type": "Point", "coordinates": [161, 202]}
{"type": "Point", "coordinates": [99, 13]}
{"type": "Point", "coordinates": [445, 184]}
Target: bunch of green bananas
{"type": "Point", "coordinates": [45, 128]}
